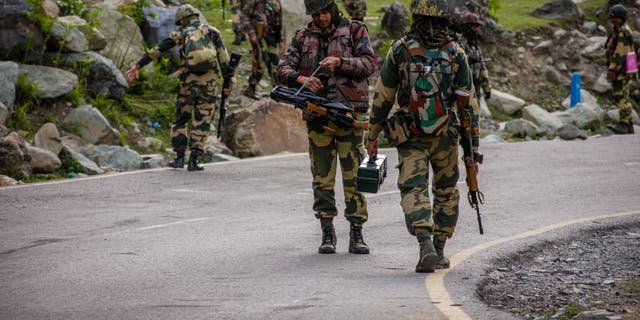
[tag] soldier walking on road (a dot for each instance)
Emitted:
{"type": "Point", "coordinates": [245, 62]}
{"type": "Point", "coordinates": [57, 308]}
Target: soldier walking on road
{"type": "Point", "coordinates": [262, 22]}
{"type": "Point", "coordinates": [470, 25]}
{"type": "Point", "coordinates": [203, 57]}
{"type": "Point", "coordinates": [427, 71]}
{"type": "Point", "coordinates": [340, 48]}
{"type": "Point", "coordinates": [618, 45]}
{"type": "Point", "coordinates": [357, 9]}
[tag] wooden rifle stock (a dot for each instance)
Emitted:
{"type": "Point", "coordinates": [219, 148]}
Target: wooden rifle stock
{"type": "Point", "coordinates": [474, 195]}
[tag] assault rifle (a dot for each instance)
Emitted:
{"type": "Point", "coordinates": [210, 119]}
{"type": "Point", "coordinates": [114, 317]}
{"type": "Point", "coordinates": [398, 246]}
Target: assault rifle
{"type": "Point", "coordinates": [226, 83]}
{"type": "Point", "coordinates": [474, 196]}
{"type": "Point", "coordinates": [319, 108]}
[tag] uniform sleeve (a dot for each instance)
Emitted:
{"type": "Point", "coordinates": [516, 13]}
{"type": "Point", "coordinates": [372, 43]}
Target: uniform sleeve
{"type": "Point", "coordinates": [246, 14]}
{"type": "Point", "coordinates": [385, 92]}
{"type": "Point", "coordinates": [157, 51]}
{"type": "Point", "coordinates": [463, 82]}
{"type": "Point", "coordinates": [221, 50]}
{"type": "Point", "coordinates": [289, 64]}
{"type": "Point", "coordinates": [622, 47]}
{"type": "Point", "coordinates": [363, 62]}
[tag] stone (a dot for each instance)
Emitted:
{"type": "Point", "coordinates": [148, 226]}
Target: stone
{"type": "Point", "coordinates": [49, 8]}
{"type": "Point", "coordinates": [42, 160]}
{"type": "Point", "coordinates": [558, 9]}
{"type": "Point", "coordinates": [523, 128]}
{"type": "Point", "coordinates": [18, 32]}
{"type": "Point", "coordinates": [8, 181]}
{"type": "Point", "coordinates": [542, 118]}
{"type": "Point", "coordinates": [9, 71]}
{"type": "Point", "coordinates": [95, 38]}
{"type": "Point", "coordinates": [48, 137]}
{"type": "Point", "coordinates": [90, 124]}
{"type": "Point", "coordinates": [570, 132]}
{"type": "Point", "coordinates": [14, 158]}
{"type": "Point", "coordinates": [68, 38]}
{"type": "Point", "coordinates": [114, 157]}
{"type": "Point", "coordinates": [4, 114]}
{"type": "Point", "coordinates": [602, 85]}
{"type": "Point", "coordinates": [505, 102]}
{"type": "Point", "coordinates": [49, 82]}
{"type": "Point", "coordinates": [595, 47]}
{"type": "Point", "coordinates": [124, 39]}
{"type": "Point", "coordinates": [88, 166]}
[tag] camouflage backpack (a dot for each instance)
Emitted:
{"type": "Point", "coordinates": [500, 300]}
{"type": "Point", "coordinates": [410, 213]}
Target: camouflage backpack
{"type": "Point", "coordinates": [198, 51]}
{"type": "Point", "coordinates": [429, 73]}
{"type": "Point", "coordinates": [274, 16]}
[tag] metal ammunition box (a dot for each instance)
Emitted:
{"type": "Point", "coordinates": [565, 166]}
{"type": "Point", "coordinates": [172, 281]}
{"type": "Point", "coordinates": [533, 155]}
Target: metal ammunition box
{"type": "Point", "coordinates": [371, 173]}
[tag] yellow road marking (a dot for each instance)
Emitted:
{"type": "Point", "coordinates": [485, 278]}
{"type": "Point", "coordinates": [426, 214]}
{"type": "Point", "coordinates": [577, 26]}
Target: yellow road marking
{"type": "Point", "coordinates": [435, 281]}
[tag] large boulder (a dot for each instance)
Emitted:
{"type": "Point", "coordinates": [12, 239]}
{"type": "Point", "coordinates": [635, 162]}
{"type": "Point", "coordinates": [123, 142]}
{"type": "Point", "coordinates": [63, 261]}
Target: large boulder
{"type": "Point", "coordinates": [9, 71]}
{"type": "Point", "coordinates": [102, 76]}
{"type": "Point", "coordinates": [67, 38]}
{"type": "Point", "coordinates": [8, 181]}
{"type": "Point", "coordinates": [114, 157]}
{"type": "Point", "coordinates": [293, 16]}
{"type": "Point", "coordinates": [157, 24]}
{"type": "Point", "coordinates": [95, 38]}
{"type": "Point", "coordinates": [266, 127]}
{"type": "Point", "coordinates": [558, 9]}
{"type": "Point", "coordinates": [15, 161]}
{"type": "Point", "coordinates": [48, 138]}
{"type": "Point", "coordinates": [542, 118]}
{"type": "Point", "coordinates": [18, 35]}
{"type": "Point", "coordinates": [91, 125]}
{"type": "Point", "coordinates": [395, 20]}
{"type": "Point", "coordinates": [522, 128]}
{"type": "Point", "coordinates": [124, 39]}
{"type": "Point", "coordinates": [42, 160]}
{"type": "Point", "coordinates": [86, 166]}
{"type": "Point", "coordinates": [505, 102]}
{"type": "Point", "coordinates": [4, 114]}
{"type": "Point", "coordinates": [49, 82]}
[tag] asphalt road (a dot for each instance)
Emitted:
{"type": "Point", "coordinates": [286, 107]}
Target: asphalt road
{"type": "Point", "coordinates": [239, 240]}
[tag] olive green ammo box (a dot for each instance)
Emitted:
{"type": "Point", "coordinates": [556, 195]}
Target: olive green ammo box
{"type": "Point", "coordinates": [371, 174]}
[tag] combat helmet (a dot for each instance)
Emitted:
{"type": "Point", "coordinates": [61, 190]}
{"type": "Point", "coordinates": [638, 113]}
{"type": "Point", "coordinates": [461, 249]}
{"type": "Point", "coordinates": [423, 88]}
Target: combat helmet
{"type": "Point", "coordinates": [471, 18]}
{"type": "Point", "coordinates": [314, 6]}
{"type": "Point", "coordinates": [185, 10]}
{"type": "Point", "coordinates": [618, 11]}
{"type": "Point", "coordinates": [431, 8]}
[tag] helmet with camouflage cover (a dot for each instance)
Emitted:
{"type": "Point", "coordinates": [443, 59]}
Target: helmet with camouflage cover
{"type": "Point", "coordinates": [618, 11]}
{"type": "Point", "coordinates": [431, 8]}
{"type": "Point", "coordinates": [471, 18]}
{"type": "Point", "coordinates": [185, 10]}
{"type": "Point", "coordinates": [314, 6]}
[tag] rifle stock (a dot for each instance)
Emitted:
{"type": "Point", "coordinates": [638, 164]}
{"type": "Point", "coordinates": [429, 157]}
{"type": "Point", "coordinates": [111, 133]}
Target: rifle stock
{"type": "Point", "coordinates": [226, 83]}
{"type": "Point", "coordinates": [320, 108]}
{"type": "Point", "coordinates": [474, 195]}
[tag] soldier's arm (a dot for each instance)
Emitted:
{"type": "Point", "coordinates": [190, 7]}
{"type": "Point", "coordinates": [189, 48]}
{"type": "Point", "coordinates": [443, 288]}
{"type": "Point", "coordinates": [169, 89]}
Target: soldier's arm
{"type": "Point", "coordinates": [246, 14]}
{"type": "Point", "coordinates": [385, 91]}
{"type": "Point", "coordinates": [157, 51]}
{"type": "Point", "coordinates": [289, 64]}
{"type": "Point", "coordinates": [463, 92]}
{"type": "Point", "coordinates": [623, 46]}
{"type": "Point", "coordinates": [221, 50]}
{"type": "Point", "coordinates": [363, 62]}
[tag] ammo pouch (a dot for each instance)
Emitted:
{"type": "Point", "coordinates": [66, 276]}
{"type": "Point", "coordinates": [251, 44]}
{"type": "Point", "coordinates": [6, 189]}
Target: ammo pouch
{"type": "Point", "coordinates": [396, 129]}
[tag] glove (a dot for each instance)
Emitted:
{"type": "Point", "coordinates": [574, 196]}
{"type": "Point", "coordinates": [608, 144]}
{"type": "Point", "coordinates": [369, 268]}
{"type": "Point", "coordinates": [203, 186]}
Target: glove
{"type": "Point", "coordinates": [487, 95]}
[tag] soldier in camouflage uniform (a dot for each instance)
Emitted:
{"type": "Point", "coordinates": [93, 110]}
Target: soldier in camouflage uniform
{"type": "Point", "coordinates": [236, 6]}
{"type": "Point", "coordinates": [427, 58]}
{"type": "Point", "coordinates": [196, 90]}
{"type": "Point", "coordinates": [340, 48]}
{"type": "Point", "coordinates": [619, 43]}
{"type": "Point", "coordinates": [356, 9]}
{"type": "Point", "coordinates": [262, 22]}
{"type": "Point", "coordinates": [470, 25]}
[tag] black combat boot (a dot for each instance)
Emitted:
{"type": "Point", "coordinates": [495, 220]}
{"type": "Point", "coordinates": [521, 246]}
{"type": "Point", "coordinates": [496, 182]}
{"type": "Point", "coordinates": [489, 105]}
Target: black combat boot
{"type": "Point", "coordinates": [428, 256]}
{"type": "Point", "coordinates": [178, 162]}
{"type": "Point", "coordinates": [328, 236]}
{"type": "Point", "coordinates": [250, 92]}
{"type": "Point", "coordinates": [239, 38]}
{"type": "Point", "coordinates": [438, 244]}
{"type": "Point", "coordinates": [193, 163]}
{"type": "Point", "coordinates": [621, 128]}
{"type": "Point", "coordinates": [356, 243]}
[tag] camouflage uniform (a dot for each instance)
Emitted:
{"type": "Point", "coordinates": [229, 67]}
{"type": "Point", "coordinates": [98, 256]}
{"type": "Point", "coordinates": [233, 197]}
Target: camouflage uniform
{"type": "Point", "coordinates": [402, 73]}
{"type": "Point", "coordinates": [236, 6]}
{"type": "Point", "coordinates": [349, 85]}
{"type": "Point", "coordinates": [357, 9]}
{"type": "Point", "coordinates": [620, 42]}
{"type": "Point", "coordinates": [471, 45]}
{"type": "Point", "coordinates": [196, 92]}
{"type": "Point", "coordinates": [265, 54]}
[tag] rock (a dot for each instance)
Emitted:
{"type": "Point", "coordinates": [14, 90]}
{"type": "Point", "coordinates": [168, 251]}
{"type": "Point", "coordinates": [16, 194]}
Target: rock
{"type": "Point", "coordinates": [150, 143]}
{"type": "Point", "coordinates": [8, 181]}
{"type": "Point", "coordinates": [17, 32]}
{"type": "Point", "coordinates": [152, 161]}
{"type": "Point", "coordinates": [124, 39]}
{"type": "Point", "coordinates": [523, 128]}
{"type": "Point", "coordinates": [294, 16]}
{"type": "Point", "coordinates": [102, 76]}
{"type": "Point", "coordinates": [595, 48]}
{"type": "Point", "coordinates": [95, 38]}
{"type": "Point", "coordinates": [68, 38]}
{"type": "Point", "coordinates": [543, 47]}
{"type": "Point", "coordinates": [49, 82]}
{"type": "Point", "coordinates": [49, 8]}
{"type": "Point", "coordinates": [42, 160]}
{"type": "Point", "coordinates": [596, 315]}
{"type": "Point", "coordinates": [602, 85]}
{"type": "Point", "coordinates": [157, 24]}
{"type": "Point", "coordinates": [484, 108]}
{"type": "Point", "coordinates": [114, 157]}
{"type": "Point", "coordinates": [614, 116]}
{"type": "Point", "coordinates": [48, 138]}
{"type": "Point", "coordinates": [265, 128]}
{"type": "Point", "coordinates": [557, 9]}
{"type": "Point", "coordinates": [542, 118]}
{"type": "Point", "coordinates": [585, 97]}
{"type": "Point", "coordinates": [586, 115]}
{"type": "Point", "coordinates": [88, 166]}
{"type": "Point", "coordinates": [570, 132]}
{"type": "Point", "coordinates": [395, 20]}
{"type": "Point", "coordinates": [91, 125]}
{"type": "Point", "coordinates": [215, 151]}
{"type": "Point", "coordinates": [553, 76]}
{"type": "Point", "coordinates": [491, 139]}
{"type": "Point", "coordinates": [9, 71]}
{"type": "Point", "coordinates": [4, 114]}
{"type": "Point", "coordinates": [505, 102]}
{"type": "Point", "coordinates": [14, 158]}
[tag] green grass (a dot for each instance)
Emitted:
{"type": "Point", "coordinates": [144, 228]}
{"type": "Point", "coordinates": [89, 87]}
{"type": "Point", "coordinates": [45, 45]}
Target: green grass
{"type": "Point", "coordinates": [514, 14]}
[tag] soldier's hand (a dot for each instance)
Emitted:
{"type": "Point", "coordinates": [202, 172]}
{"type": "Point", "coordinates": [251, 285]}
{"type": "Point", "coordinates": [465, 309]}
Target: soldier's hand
{"type": "Point", "coordinates": [487, 95]}
{"type": "Point", "coordinates": [253, 38]}
{"type": "Point", "coordinates": [611, 75]}
{"type": "Point", "coordinates": [314, 84]}
{"type": "Point", "coordinates": [133, 73]}
{"type": "Point", "coordinates": [281, 47]}
{"type": "Point", "coordinates": [372, 147]}
{"type": "Point", "coordinates": [330, 63]}
{"type": "Point", "coordinates": [226, 92]}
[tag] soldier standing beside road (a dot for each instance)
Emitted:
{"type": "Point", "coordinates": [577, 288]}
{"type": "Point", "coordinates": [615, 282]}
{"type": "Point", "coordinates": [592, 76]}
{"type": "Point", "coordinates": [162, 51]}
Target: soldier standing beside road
{"type": "Point", "coordinates": [470, 25]}
{"type": "Point", "coordinates": [262, 22]}
{"type": "Point", "coordinates": [203, 56]}
{"type": "Point", "coordinates": [236, 7]}
{"type": "Point", "coordinates": [619, 43]}
{"type": "Point", "coordinates": [357, 9]}
{"type": "Point", "coordinates": [427, 71]}
{"type": "Point", "coordinates": [341, 49]}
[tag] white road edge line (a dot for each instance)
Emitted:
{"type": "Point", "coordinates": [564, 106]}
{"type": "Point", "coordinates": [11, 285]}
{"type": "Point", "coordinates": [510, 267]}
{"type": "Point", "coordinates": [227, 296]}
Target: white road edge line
{"type": "Point", "coordinates": [434, 282]}
{"type": "Point", "coordinates": [158, 226]}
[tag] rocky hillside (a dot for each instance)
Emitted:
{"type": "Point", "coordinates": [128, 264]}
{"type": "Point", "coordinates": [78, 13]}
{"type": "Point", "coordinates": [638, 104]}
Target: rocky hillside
{"type": "Point", "coordinates": [66, 109]}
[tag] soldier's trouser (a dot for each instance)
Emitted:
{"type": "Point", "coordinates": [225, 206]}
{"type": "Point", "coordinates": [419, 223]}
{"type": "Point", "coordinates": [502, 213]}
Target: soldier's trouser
{"type": "Point", "coordinates": [265, 56]}
{"type": "Point", "coordinates": [324, 149]}
{"type": "Point", "coordinates": [197, 101]}
{"type": "Point", "coordinates": [414, 158]}
{"type": "Point", "coordinates": [621, 98]}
